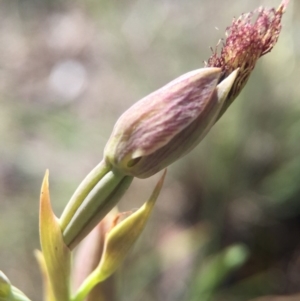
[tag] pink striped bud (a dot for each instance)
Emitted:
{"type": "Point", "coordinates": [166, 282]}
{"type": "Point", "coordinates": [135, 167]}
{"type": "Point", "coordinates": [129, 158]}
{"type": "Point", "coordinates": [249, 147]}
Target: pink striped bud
{"type": "Point", "coordinates": [168, 123]}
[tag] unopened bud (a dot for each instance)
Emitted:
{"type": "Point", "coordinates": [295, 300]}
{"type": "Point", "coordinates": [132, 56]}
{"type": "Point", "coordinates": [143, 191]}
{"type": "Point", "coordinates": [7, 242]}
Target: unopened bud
{"type": "Point", "coordinates": [167, 124]}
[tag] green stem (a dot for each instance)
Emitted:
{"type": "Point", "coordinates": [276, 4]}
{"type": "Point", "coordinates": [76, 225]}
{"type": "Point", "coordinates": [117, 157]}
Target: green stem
{"type": "Point", "coordinates": [88, 284]}
{"type": "Point", "coordinates": [96, 201]}
{"type": "Point", "coordinates": [81, 193]}
{"type": "Point", "coordinates": [102, 210]}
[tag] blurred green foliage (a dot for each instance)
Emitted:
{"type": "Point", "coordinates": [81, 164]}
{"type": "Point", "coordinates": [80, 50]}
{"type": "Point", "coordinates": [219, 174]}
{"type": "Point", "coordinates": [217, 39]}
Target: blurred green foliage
{"type": "Point", "coordinates": [68, 69]}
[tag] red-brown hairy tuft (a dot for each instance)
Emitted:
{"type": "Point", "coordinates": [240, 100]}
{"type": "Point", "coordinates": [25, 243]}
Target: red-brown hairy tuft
{"type": "Point", "coordinates": [246, 41]}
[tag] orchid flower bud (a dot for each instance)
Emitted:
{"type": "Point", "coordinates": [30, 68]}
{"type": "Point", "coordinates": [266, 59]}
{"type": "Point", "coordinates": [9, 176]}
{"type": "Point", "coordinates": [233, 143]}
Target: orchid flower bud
{"type": "Point", "coordinates": [167, 124]}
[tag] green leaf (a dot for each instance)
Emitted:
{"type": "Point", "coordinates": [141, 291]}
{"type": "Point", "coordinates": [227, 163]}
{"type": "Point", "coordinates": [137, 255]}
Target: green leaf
{"type": "Point", "coordinates": [9, 292]}
{"type": "Point", "coordinates": [215, 270]}
{"type": "Point", "coordinates": [5, 288]}
{"type": "Point", "coordinates": [55, 252]}
{"type": "Point", "coordinates": [48, 293]}
{"type": "Point", "coordinates": [121, 238]}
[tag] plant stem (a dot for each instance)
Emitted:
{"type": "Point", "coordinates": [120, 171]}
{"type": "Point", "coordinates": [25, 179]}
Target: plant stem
{"type": "Point", "coordinates": [82, 191]}
{"type": "Point", "coordinates": [97, 202]}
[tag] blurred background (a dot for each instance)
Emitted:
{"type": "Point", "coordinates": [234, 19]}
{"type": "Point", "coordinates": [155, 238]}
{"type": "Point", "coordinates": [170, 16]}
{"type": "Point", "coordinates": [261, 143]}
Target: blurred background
{"type": "Point", "coordinates": [226, 225]}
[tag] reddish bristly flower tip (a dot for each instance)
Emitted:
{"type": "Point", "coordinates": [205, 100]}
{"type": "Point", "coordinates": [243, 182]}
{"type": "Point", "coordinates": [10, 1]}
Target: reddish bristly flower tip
{"type": "Point", "coordinates": [249, 37]}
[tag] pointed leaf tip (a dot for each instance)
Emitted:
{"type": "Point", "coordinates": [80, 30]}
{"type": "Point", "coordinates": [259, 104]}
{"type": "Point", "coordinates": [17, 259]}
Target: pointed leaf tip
{"type": "Point", "coordinates": [121, 238]}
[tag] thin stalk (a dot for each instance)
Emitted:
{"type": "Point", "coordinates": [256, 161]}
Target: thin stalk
{"type": "Point", "coordinates": [81, 193]}
{"type": "Point", "coordinates": [93, 203]}
{"type": "Point", "coordinates": [103, 208]}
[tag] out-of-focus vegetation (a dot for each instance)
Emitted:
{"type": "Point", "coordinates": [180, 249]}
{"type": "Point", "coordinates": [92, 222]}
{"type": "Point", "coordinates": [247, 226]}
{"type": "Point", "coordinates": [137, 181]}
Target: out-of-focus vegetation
{"type": "Point", "coordinates": [227, 224]}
